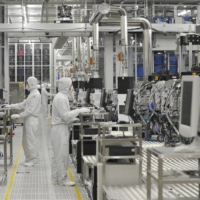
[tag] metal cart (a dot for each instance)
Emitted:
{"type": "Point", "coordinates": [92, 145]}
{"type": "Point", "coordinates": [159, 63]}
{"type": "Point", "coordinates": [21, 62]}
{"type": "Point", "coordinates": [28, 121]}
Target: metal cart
{"type": "Point", "coordinates": [112, 174]}
{"type": "Point", "coordinates": [3, 141]}
{"type": "Point", "coordinates": [9, 128]}
{"type": "Point", "coordinates": [160, 176]}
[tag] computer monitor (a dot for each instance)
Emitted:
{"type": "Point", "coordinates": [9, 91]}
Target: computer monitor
{"type": "Point", "coordinates": [103, 98]}
{"type": "Point", "coordinates": [1, 93]}
{"type": "Point", "coordinates": [190, 104]}
{"type": "Point", "coordinates": [76, 93]}
{"type": "Point", "coordinates": [129, 103]}
{"type": "Point", "coordinates": [87, 97]}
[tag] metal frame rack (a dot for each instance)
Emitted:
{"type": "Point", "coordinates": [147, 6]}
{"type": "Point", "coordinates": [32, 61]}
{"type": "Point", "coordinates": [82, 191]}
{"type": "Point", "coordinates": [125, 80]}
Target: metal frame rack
{"type": "Point", "coordinates": [74, 144]}
{"type": "Point", "coordinates": [29, 59]}
{"type": "Point", "coordinates": [84, 136]}
{"type": "Point", "coordinates": [81, 125]}
{"type": "Point", "coordinates": [88, 162]}
{"type": "Point", "coordinates": [166, 153]}
{"type": "Point", "coordinates": [9, 128]}
{"type": "Point", "coordinates": [102, 141]}
{"type": "Point", "coordinates": [3, 140]}
{"type": "Point", "coordinates": [101, 150]}
{"type": "Point", "coordinates": [185, 191]}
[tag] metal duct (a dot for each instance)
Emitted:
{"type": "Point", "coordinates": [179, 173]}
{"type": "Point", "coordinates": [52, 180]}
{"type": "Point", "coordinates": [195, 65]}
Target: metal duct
{"type": "Point", "coordinates": [74, 51]}
{"type": "Point", "coordinates": [83, 45]}
{"type": "Point", "coordinates": [95, 47]}
{"type": "Point", "coordinates": [79, 53]}
{"type": "Point", "coordinates": [88, 53]}
{"type": "Point", "coordinates": [124, 42]}
{"type": "Point", "coordinates": [147, 44]}
{"type": "Point", "coordinates": [97, 16]}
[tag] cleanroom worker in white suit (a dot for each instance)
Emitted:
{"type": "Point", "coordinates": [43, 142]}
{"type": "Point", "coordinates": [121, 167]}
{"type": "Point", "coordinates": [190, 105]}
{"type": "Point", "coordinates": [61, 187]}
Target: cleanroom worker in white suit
{"type": "Point", "coordinates": [45, 96]}
{"type": "Point", "coordinates": [31, 107]}
{"type": "Point", "coordinates": [60, 133]}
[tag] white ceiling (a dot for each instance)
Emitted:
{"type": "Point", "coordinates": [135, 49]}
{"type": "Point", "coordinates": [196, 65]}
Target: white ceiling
{"type": "Point", "coordinates": [33, 13]}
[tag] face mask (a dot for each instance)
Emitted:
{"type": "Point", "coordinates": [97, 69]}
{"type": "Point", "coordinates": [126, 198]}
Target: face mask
{"type": "Point", "coordinates": [27, 87]}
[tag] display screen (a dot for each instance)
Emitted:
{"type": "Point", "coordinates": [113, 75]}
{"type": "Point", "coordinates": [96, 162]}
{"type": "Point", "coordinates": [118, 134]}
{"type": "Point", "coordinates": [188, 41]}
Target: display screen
{"type": "Point", "coordinates": [87, 98]}
{"type": "Point", "coordinates": [1, 93]}
{"type": "Point", "coordinates": [103, 98]}
{"type": "Point", "coordinates": [186, 103]}
{"type": "Point", "coordinates": [129, 102]}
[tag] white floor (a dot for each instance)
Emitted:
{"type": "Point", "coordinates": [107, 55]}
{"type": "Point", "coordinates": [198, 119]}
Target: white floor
{"type": "Point", "coordinates": [35, 182]}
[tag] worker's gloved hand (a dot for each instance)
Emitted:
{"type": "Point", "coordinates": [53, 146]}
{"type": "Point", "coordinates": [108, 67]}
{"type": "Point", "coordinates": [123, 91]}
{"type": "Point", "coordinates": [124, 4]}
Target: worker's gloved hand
{"type": "Point", "coordinates": [84, 110]}
{"type": "Point", "coordinates": [75, 120]}
{"type": "Point", "coordinates": [15, 116]}
{"type": "Point", "coordinates": [7, 106]}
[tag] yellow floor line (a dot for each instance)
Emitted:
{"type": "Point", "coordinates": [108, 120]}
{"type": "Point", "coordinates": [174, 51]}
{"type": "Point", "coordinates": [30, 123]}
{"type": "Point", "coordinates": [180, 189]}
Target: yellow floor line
{"type": "Point", "coordinates": [78, 195]}
{"type": "Point", "coordinates": [12, 177]}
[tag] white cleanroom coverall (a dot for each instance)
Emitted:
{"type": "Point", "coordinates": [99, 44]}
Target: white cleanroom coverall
{"type": "Point", "coordinates": [60, 133]}
{"type": "Point", "coordinates": [45, 96]}
{"type": "Point", "coordinates": [31, 107]}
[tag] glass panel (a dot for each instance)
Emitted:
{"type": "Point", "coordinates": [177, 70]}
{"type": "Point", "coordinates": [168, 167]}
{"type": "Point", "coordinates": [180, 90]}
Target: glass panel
{"type": "Point", "coordinates": [28, 72]}
{"type": "Point", "coordinates": [20, 74]}
{"type": "Point", "coordinates": [37, 54]}
{"type": "Point", "coordinates": [12, 74]}
{"type": "Point", "coordinates": [28, 54]}
{"type": "Point", "coordinates": [12, 63]}
{"type": "Point", "coordinates": [45, 54]}
{"type": "Point", "coordinates": [11, 54]}
{"type": "Point", "coordinates": [20, 54]}
{"type": "Point", "coordinates": [38, 73]}
{"type": "Point", "coordinates": [46, 75]}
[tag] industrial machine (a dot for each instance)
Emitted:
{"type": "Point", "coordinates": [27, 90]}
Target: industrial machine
{"type": "Point", "coordinates": [189, 113]}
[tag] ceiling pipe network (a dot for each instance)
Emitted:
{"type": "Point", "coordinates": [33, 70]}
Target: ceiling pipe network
{"type": "Point", "coordinates": [147, 42]}
{"type": "Point", "coordinates": [97, 16]}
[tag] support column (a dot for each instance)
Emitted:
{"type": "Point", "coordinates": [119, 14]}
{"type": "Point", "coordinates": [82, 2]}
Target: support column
{"type": "Point", "coordinates": [54, 70]}
{"type": "Point", "coordinates": [118, 64]}
{"type": "Point", "coordinates": [6, 68]}
{"type": "Point", "coordinates": [130, 57]}
{"type": "Point", "coordinates": [52, 66]}
{"type": "Point", "coordinates": [6, 59]}
{"type": "Point", "coordinates": [198, 14]}
{"type": "Point", "coordinates": [1, 50]}
{"type": "Point", "coordinates": [108, 62]}
{"type": "Point", "coordinates": [190, 56]}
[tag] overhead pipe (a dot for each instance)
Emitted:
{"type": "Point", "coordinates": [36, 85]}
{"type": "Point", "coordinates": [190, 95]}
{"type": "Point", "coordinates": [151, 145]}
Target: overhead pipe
{"type": "Point", "coordinates": [96, 47]}
{"type": "Point", "coordinates": [147, 42]}
{"type": "Point", "coordinates": [88, 54]}
{"type": "Point", "coordinates": [83, 45]}
{"type": "Point", "coordinates": [80, 73]}
{"type": "Point", "coordinates": [97, 16]}
{"type": "Point", "coordinates": [74, 52]}
{"type": "Point", "coordinates": [79, 53]}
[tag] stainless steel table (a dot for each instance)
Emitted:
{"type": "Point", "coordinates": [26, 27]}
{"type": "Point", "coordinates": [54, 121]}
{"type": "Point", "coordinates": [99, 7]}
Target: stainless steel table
{"type": "Point", "coordinates": [162, 153]}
